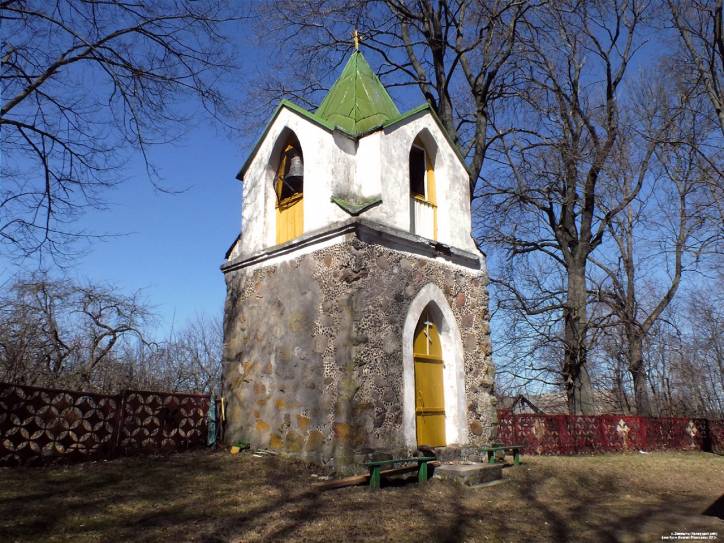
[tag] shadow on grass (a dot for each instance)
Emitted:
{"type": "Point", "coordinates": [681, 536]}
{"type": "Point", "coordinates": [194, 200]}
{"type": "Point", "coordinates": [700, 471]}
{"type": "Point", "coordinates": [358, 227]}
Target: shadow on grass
{"type": "Point", "coordinates": [82, 498]}
{"type": "Point", "coordinates": [595, 508]}
{"type": "Point", "coordinates": [587, 507]}
{"type": "Point", "coordinates": [299, 506]}
{"type": "Point", "coordinates": [716, 509]}
{"type": "Point", "coordinates": [215, 498]}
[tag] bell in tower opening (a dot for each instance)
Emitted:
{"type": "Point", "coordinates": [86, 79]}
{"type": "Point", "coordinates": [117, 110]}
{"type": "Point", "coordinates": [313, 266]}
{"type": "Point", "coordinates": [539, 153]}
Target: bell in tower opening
{"type": "Point", "coordinates": [289, 189]}
{"type": "Point", "coordinates": [356, 316]}
{"type": "Point", "coordinates": [292, 180]}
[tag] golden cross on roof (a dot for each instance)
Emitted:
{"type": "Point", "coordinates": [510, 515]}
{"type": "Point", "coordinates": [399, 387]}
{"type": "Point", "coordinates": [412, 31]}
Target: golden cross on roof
{"type": "Point", "coordinates": [355, 35]}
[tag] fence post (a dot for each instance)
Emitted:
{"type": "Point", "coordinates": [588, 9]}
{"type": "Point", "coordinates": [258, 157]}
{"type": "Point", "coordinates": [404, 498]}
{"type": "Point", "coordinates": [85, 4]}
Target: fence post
{"type": "Point", "coordinates": [601, 423]}
{"type": "Point", "coordinates": [706, 438]}
{"type": "Point", "coordinates": [644, 422]}
{"type": "Point", "coordinates": [162, 421]}
{"type": "Point", "coordinates": [113, 443]}
{"type": "Point", "coordinates": [120, 416]}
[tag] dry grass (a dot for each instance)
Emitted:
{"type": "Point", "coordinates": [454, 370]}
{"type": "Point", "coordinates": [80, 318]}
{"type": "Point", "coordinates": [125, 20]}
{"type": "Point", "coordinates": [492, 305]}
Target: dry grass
{"type": "Point", "coordinates": [203, 496]}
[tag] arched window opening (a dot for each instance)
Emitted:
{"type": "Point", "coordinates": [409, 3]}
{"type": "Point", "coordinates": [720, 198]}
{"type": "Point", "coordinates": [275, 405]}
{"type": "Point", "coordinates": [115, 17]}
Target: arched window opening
{"type": "Point", "coordinates": [429, 390]}
{"type": "Point", "coordinates": [289, 189]}
{"type": "Point", "coordinates": [423, 197]}
{"type": "Point", "coordinates": [418, 171]}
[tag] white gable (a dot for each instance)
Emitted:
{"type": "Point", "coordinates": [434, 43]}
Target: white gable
{"type": "Point", "coordinates": [453, 189]}
{"type": "Point", "coordinates": [327, 161]}
{"type": "Point", "coordinates": [335, 164]}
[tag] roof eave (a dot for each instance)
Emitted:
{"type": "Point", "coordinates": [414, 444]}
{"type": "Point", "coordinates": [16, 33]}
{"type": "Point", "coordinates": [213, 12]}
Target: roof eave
{"type": "Point", "coordinates": [420, 109]}
{"type": "Point", "coordinates": [313, 118]}
{"type": "Point", "coordinates": [299, 111]}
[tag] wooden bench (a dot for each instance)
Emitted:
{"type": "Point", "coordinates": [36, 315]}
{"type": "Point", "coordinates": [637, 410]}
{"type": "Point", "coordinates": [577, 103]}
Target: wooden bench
{"type": "Point", "coordinates": [515, 449]}
{"type": "Point", "coordinates": [376, 468]}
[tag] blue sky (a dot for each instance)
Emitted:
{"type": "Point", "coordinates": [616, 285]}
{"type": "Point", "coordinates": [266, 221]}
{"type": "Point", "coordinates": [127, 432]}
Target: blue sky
{"type": "Point", "coordinates": [170, 246]}
{"type": "Point", "coordinates": [174, 242]}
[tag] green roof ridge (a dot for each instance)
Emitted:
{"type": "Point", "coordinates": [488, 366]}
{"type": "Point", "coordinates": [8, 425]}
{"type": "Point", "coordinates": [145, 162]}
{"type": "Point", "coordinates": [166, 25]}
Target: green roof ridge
{"type": "Point", "coordinates": [358, 101]}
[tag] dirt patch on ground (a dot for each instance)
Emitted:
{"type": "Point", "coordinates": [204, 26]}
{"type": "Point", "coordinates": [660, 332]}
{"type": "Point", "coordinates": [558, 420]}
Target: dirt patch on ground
{"type": "Point", "coordinates": [203, 496]}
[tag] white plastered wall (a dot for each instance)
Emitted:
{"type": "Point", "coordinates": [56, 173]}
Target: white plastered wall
{"type": "Point", "coordinates": [328, 161]}
{"type": "Point", "coordinates": [368, 171]}
{"type": "Point", "coordinates": [451, 178]}
{"type": "Point", "coordinates": [453, 368]}
{"type": "Point", "coordinates": [377, 164]}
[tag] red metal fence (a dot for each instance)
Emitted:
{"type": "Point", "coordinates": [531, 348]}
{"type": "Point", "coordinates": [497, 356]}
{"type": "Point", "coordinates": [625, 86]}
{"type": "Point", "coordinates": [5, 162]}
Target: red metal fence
{"type": "Point", "coordinates": [40, 424]}
{"type": "Point", "coordinates": [572, 434]}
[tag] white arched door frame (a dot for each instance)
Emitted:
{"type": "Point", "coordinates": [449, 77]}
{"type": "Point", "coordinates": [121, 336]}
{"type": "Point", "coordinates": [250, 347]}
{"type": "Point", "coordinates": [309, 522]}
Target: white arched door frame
{"type": "Point", "coordinates": [453, 368]}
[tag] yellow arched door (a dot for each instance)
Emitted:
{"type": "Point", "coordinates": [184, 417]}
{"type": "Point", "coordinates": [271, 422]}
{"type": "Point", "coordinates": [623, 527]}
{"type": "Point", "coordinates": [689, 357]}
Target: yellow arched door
{"type": "Point", "coordinates": [290, 198]}
{"type": "Point", "coordinates": [429, 396]}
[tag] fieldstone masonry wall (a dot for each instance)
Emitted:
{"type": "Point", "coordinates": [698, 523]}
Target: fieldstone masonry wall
{"type": "Point", "coordinates": [313, 350]}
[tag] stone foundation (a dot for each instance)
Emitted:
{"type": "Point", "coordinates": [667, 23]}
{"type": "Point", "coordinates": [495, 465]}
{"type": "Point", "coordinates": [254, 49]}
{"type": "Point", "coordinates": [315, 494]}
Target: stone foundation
{"type": "Point", "coordinates": [313, 348]}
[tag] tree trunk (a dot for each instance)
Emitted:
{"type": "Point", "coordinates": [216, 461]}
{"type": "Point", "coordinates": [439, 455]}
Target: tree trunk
{"type": "Point", "coordinates": [638, 373]}
{"type": "Point", "coordinates": [619, 390]}
{"type": "Point", "coordinates": [579, 390]}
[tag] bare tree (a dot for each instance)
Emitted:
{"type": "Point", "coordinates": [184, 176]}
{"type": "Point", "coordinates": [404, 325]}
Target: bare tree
{"type": "Point", "coordinates": [190, 359]}
{"type": "Point", "coordinates": [60, 333]}
{"type": "Point", "coordinates": [706, 350]}
{"type": "Point", "coordinates": [34, 348]}
{"type": "Point", "coordinates": [554, 198]}
{"type": "Point", "coordinates": [460, 54]}
{"type": "Point", "coordinates": [663, 234]}
{"type": "Point", "coordinates": [25, 354]}
{"type": "Point", "coordinates": [106, 318]}
{"type": "Point", "coordinates": [57, 332]}
{"type": "Point", "coordinates": [683, 350]}
{"type": "Point", "coordinates": [701, 28]}
{"type": "Point", "coordinates": [615, 376]}
{"type": "Point", "coordinates": [83, 82]}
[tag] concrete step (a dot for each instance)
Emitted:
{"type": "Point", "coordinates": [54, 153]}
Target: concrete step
{"type": "Point", "coordinates": [470, 474]}
{"type": "Point", "coordinates": [456, 452]}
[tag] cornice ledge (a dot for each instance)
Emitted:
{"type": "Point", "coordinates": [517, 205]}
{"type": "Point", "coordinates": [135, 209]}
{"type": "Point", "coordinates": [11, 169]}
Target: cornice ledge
{"type": "Point", "coordinates": [366, 231]}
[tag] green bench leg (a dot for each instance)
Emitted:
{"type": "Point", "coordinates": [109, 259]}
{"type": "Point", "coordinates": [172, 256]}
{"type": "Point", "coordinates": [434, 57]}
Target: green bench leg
{"type": "Point", "coordinates": [375, 478]}
{"type": "Point", "coordinates": [491, 457]}
{"type": "Point", "coordinates": [516, 457]}
{"type": "Point", "coordinates": [422, 472]}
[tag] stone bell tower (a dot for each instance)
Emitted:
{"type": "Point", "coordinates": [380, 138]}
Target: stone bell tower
{"type": "Point", "coordinates": [356, 316]}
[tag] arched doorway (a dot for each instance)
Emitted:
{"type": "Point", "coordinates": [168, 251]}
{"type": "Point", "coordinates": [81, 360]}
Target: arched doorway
{"type": "Point", "coordinates": [431, 305]}
{"type": "Point", "coordinates": [429, 392]}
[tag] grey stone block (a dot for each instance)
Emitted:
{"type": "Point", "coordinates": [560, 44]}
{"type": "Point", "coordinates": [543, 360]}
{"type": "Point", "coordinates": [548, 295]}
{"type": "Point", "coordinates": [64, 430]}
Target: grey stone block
{"type": "Point", "coordinates": [470, 474]}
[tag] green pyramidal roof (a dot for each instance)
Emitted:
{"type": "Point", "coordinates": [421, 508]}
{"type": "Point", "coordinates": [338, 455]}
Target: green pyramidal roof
{"type": "Point", "coordinates": [357, 102]}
